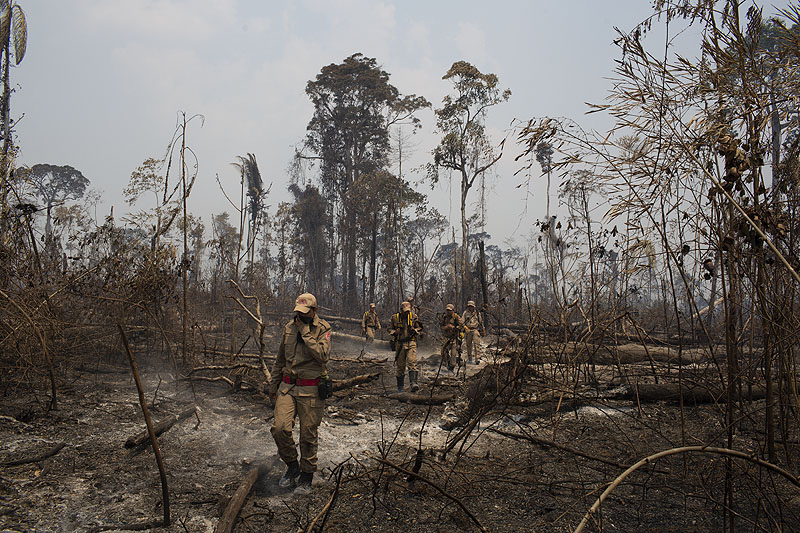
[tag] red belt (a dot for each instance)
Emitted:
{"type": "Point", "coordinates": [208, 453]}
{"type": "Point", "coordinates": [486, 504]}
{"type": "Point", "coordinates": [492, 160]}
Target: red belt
{"type": "Point", "coordinates": [301, 382]}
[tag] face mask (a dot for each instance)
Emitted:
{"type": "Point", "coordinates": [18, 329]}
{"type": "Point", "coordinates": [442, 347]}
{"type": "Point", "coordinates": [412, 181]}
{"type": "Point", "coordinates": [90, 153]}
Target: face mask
{"type": "Point", "coordinates": [305, 319]}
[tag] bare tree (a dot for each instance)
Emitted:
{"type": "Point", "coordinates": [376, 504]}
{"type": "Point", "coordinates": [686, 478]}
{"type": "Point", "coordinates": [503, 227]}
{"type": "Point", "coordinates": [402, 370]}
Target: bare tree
{"type": "Point", "coordinates": [465, 147]}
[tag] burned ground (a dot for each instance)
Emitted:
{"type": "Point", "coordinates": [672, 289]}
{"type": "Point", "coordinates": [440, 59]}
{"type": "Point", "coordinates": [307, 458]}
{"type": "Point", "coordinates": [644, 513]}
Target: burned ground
{"type": "Point", "coordinates": [528, 447]}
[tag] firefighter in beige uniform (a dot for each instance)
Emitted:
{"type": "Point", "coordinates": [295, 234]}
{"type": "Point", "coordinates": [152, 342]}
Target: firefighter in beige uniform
{"type": "Point", "coordinates": [370, 323]}
{"type": "Point", "coordinates": [473, 323]}
{"type": "Point", "coordinates": [452, 329]}
{"type": "Point", "coordinates": [405, 329]}
{"type": "Point", "coordinates": [301, 363]}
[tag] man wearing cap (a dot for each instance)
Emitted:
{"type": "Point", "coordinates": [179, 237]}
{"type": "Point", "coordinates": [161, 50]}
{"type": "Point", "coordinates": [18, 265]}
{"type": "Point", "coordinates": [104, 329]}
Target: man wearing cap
{"type": "Point", "coordinates": [473, 324]}
{"type": "Point", "coordinates": [416, 310]}
{"type": "Point", "coordinates": [369, 323]}
{"type": "Point", "coordinates": [451, 331]}
{"type": "Point", "coordinates": [301, 362]}
{"type": "Point", "coordinates": [405, 329]}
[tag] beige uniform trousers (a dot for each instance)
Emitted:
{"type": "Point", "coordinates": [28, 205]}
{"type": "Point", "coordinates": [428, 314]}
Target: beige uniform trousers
{"type": "Point", "coordinates": [305, 404]}
{"type": "Point", "coordinates": [370, 333]}
{"type": "Point", "coordinates": [450, 344]}
{"type": "Point", "coordinates": [406, 356]}
{"type": "Point", "coordinates": [473, 341]}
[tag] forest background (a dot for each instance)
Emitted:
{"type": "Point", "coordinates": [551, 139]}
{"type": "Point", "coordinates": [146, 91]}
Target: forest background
{"type": "Point", "coordinates": [163, 57]}
{"type": "Point", "coordinates": [356, 213]}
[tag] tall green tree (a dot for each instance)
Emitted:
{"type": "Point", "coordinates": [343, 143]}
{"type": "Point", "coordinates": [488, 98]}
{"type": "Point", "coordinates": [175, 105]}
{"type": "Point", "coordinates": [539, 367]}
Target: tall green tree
{"type": "Point", "coordinates": [377, 200]}
{"type": "Point", "coordinates": [465, 148]}
{"type": "Point", "coordinates": [354, 107]}
{"type": "Point", "coordinates": [55, 185]}
{"type": "Point", "coordinates": [309, 213]}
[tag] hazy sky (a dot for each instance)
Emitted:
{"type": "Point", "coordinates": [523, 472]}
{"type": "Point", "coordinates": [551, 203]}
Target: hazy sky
{"type": "Point", "coordinates": [103, 80]}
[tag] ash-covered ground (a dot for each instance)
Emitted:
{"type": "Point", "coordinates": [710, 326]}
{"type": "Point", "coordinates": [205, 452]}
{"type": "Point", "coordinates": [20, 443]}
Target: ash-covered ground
{"type": "Point", "coordinates": [490, 479]}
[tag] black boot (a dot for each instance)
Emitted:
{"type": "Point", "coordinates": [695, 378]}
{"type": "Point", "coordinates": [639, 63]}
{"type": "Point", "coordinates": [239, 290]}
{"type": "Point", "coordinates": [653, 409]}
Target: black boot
{"type": "Point", "coordinates": [401, 383]}
{"type": "Point", "coordinates": [304, 483]}
{"type": "Point", "coordinates": [290, 477]}
{"type": "Point", "coordinates": [412, 378]}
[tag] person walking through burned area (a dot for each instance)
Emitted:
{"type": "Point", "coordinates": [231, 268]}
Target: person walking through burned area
{"type": "Point", "coordinates": [473, 331]}
{"type": "Point", "coordinates": [298, 388]}
{"type": "Point", "coordinates": [415, 309]}
{"type": "Point", "coordinates": [452, 329]}
{"type": "Point", "coordinates": [369, 323]}
{"type": "Point", "coordinates": [406, 328]}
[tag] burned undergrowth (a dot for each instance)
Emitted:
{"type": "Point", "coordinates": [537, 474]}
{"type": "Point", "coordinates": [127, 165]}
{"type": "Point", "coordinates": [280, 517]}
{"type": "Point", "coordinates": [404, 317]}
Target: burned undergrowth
{"type": "Point", "coordinates": [526, 444]}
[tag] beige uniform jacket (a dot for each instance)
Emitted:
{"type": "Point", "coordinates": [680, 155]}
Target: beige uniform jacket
{"type": "Point", "coordinates": [370, 320]}
{"type": "Point", "coordinates": [473, 320]}
{"type": "Point", "coordinates": [303, 352]}
{"type": "Point", "coordinates": [405, 327]}
{"type": "Point", "coordinates": [450, 325]}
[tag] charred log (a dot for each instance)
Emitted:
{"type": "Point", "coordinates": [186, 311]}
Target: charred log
{"type": "Point", "coordinates": [237, 501]}
{"type": "Point", "coordinates": [36, 458]}
{"type": "Point", "coordinates": [421, 399]}
{"type": "Point", "coordinates": [158, 429]}
{"type": "Point", "coordinates": [672, 392]}
{"type": "Point", "coordinates": [352, 382]}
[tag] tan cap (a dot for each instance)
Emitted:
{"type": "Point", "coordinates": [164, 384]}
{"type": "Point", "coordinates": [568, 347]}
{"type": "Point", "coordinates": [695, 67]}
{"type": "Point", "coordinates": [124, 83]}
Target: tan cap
{"type": "Point", "coordinates": [305, 302]}
{"type": "Point", "coordinates": [372, 305]}
{"type": "Point", "coordinates": [470, 304]}
{"type": "Point", "coordinates": [405, 306]}
{"type": "Point", "coordinates": [450, 307]}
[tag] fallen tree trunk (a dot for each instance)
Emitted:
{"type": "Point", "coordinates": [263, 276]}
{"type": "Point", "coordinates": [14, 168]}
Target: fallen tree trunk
{"type": "Point", "coordinates": [358, 338]}
{"type": "Point", "coordinates": [352, 382]}
{"type": "Point", "coordinates": [285, 317]}
{"type": "Point", "coordinates": [224, 367]}
{"type": "Point", "coordinates": [329, 318]}
{"type": "Point", "coordinates": [228, 519]}
{"type": "Point", "coordinates": [36, 458]}
{"type": "Point", "coordinates": [159, 428]}
{"type": "Point", "coordinates": [421, 399]}
{"type": "Point", "coordinates": [671, 392]}
{"type": "Point", "coordinates": [345, 319]}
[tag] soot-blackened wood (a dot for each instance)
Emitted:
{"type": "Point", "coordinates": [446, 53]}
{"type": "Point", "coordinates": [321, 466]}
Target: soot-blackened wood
{"type": "Point", "coordinates": [159, 428]}
{"type": "Point", "coordinates": [237, 501]}
{"type": "Point", "coordinates": [421, 399]}
{"type": "Point", "coordinates": [670, 392]}
{"type": "Point", "coordinates": [356, 338]}
{"type": "Point", "coordinates": [36, 458]}
{"type": "Point", "coordinates": [162, 470]}
{"type": "Point", "coordinates": [341, 384]}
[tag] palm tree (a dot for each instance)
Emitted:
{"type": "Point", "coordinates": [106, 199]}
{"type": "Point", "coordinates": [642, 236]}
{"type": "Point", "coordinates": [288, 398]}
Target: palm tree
{"type": "Point", "coordinates": [13, 29]}
{"type": "Point", "coordinates": [251, 177]}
